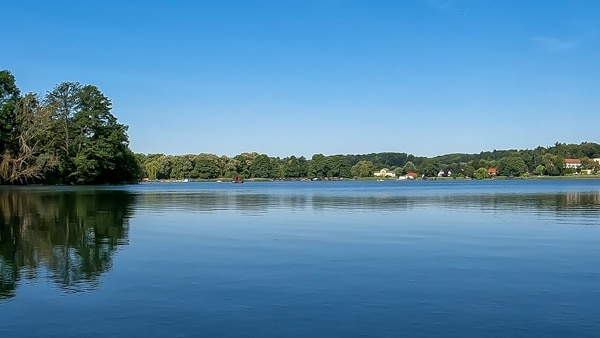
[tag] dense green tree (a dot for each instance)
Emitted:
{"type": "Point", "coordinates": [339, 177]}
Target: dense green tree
{"type": "Point", "coordinates": [319, 166]}
{"type": "Point", "coordinates": [181, 167]}
{"type": "Point", "coordinates": [151, 168]}
{"type": "Point", "coordinates": [163, 167]}
{"type": "Point", "coordinates": [363, 169]}
{"type": "Point", "coordinates": [295, 167]}
{"type": "Point", "coordinates": [429, 167]}
{"type": "Point", "coordinates": [409, 167]}
{"type": "Point", "coordinates": [206, 166]}
{"type": "Point", "coordinates": [511, 166]}
{"type": "Point", "coordinates": [468, 170]}
{"type": "Point", "coordinates": [480, 174]}
{"type": "Point", "coordinates": [9, 96]}
{"type": "Point", "coordinates": [244, 162]}
{"type": "Point", "coordinates": [555, 165]}
{"type": "Point", "coordinates": [338, 166]}
{"type": "Point", "coordinates": [589, 150]}
{"type": "Point", "coordinates": [263, 167]}
{"type": "Point", "coordinates": [32, 157]}
{"type": "Point", "coordinates": [539, 170]}
{"type": "Point", "coordinates": [98, 143]}
{"type": "Point", "coordinates": [231, 166]}
{"type": "Point", "coordinates": [63, 102]}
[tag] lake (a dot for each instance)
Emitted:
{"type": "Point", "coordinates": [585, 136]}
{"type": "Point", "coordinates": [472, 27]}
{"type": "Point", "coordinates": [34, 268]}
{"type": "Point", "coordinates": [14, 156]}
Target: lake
{"type": "Point", "coordinates": [302, 259]}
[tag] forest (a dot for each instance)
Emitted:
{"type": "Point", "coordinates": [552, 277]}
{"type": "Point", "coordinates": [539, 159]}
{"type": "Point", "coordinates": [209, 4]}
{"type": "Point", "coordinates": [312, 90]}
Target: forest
{"type": "Point", "coordinates": [67, 136]}
{"type": "Point", "coordinates": [547, 161]}
{"type": "Point", "coordinates": [70, 136]}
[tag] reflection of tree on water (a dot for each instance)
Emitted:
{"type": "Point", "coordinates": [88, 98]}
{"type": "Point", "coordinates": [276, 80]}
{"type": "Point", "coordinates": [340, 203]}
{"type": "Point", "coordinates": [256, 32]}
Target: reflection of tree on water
{"type": "Point", "coordinates": [71, 235]}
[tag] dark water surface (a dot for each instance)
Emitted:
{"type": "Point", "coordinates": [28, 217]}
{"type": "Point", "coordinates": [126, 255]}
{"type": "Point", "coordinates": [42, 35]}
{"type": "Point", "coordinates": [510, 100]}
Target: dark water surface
{"type": "Point", "coordinates": [302, 259]}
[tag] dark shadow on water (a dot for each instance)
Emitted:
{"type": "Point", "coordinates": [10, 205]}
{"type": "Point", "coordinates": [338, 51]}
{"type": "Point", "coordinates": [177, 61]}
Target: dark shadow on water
{"type": "Point", "coordinates": [68, 236]}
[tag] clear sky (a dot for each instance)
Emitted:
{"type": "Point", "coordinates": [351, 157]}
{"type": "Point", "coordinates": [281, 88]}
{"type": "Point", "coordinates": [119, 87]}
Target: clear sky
{"type": "Point", "coordinates": [426, 77]}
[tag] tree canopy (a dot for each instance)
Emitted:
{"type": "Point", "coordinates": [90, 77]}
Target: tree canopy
{"type": "Point", "coordinates": [69, 136]}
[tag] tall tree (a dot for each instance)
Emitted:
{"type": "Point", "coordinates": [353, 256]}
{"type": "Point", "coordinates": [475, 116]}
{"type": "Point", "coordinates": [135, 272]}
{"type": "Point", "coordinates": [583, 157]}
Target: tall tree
{"type": "Point", "coordinates": [99, 144]}
{"type": "Point", "coordinates": [319, 166]}
{"type": "Point", "coordinates": [430, 167]}
{"type": "Point", "coordinates": [511, 166]}
{"type": "Point", "coordinates": [339, 166]}
{"type": "Point", "coordinates": [9, 96]}
{"type": "Point", "coordinates": [262, 166]}
{"type": "Point", "coordinates": [206, 166]}
{"type": "Point", "coordinates": [363, 169]}
{"type": "Point", "coordinates": [294, 167]}
{"type": "Point", "coordinates": [33, 156]}
{"type": "Point", "coordinates": [63, 101]}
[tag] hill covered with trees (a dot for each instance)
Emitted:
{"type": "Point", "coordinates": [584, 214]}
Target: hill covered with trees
{"type": "Point", "coordinates": [538, 161]}
{"type": "Point", "coordinates": [67, 136]}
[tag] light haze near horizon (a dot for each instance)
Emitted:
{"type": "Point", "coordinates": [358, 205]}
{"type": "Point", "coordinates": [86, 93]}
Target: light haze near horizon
{"type": "Point", "coordinates": [425, 77]}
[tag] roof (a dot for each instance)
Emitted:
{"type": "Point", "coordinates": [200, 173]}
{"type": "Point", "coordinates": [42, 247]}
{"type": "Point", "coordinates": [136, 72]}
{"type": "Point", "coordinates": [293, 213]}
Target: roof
{"type": "Point", "coordinates": [492, 170]}
{"type": "Point", "coordinates": [572, 160]}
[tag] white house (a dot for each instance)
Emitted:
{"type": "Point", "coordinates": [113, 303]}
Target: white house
{"type": "Point", "coordinates": [385, 172]}
{"type": "Point", "coordinates": [572, 163]}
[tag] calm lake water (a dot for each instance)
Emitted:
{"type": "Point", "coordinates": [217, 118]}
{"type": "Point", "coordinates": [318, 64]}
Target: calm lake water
{"type": "Point", "coordinates": [302, 259]}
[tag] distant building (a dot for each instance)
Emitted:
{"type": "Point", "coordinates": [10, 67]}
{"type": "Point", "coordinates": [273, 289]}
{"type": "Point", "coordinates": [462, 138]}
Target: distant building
{"type": "Point", "coordinates": [597, 160]}
{"type": "Point", "coordinates": [572, 163]}
{"type": "Point", "coordinates": [492, 171]}
{"type": "Point", "coordinates": [411, 175]}
{"type": "Point", "coordinates": [384, 173]}
{"type": "Point", "coordinates": [445, 173]}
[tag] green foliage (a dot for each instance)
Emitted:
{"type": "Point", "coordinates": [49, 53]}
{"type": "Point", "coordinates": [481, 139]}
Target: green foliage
{"type": "Point", "coordinates": [539, 170]}
{"type": "Point", "coordinates": [181, 167]}
{"type": "Point", "coordinates": [262, 167]}
{"type": "Point", "coordinates": [319, 166]}
{"type": "Point", "coordinates": [409, 167]}
{"type": "Point", "coordinates": [554, 165]}
{"type": "Point", "coordinates": [511, 166]}
{"type": "Point", "coordinates": [206, 166]}
{"type": "Point", "coordinates": [430, 167]}
{"type": "Point", "coordinates": [295, 167]}
{"type": "Point", "coordinates": [363, 169]}
{"type": "Point", "coordinates": [338, 166]}
{"type": "Point", "coordinates": [9, 97]}
{"type": "Point", "coordinates": [70, 137]}
{"type": "Point", "coordinates": [480, 174]}
{"type": "Point", "coordinates": [254, 165]}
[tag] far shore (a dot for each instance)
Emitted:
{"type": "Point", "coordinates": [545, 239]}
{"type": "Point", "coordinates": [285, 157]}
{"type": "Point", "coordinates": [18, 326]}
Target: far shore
{"type": "Point", "coordinates": [367, 179]}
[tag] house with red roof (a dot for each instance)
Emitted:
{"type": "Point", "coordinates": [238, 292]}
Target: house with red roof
{"type": "Point", "coordinates": [572, 163]}
{"type": "Point", "coordinates": [492, 171]}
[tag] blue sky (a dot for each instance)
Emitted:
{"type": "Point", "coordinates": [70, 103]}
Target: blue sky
{"type": "Point", "coordinates": [426, 77]}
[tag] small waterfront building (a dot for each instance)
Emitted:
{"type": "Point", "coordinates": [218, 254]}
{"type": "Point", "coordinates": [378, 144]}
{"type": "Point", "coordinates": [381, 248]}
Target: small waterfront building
{"type": "Point", "coordinates": [445, 173]}
{"type": "Point", "coordinates": [572, 163]}
{"type": "Point", "coordinates": [385, 172]}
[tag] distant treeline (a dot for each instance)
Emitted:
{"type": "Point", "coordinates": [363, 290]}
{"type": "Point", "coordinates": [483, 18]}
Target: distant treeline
{"type": "Point", "coordinates": [68, 136]}
{"type": "Point", "coordinates": [538, 161]}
